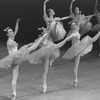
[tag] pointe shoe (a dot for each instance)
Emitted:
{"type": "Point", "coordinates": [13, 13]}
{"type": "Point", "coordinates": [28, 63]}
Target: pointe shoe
{"type": "Point", "coordinates": [44, 88]}
{"type": "Point", "coordinates": [75, 83]}
{"type": "Point", "coordinates": [13, 97]}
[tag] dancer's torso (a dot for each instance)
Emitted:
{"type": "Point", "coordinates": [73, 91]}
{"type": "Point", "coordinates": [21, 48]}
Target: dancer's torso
{"type": "Point", "coordinates": [11, 46]}
{"type": "Point", "coordinates": [76, 37]}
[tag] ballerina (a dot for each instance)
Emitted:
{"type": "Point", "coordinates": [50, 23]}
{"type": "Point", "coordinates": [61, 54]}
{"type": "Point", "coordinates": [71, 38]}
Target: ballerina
{"type": "Point", "coordinates": [78, 48]}
{"type": "Point", "coordinates": [46, 54]}
{"type": "Point", "coordinates": [14, 59]}
{"type": "Point", "coordinates": [80, 19]}
{"type": "Point", "coordinates": [55, 27]}
{"type": "Point", "coordinates": [12, 48]}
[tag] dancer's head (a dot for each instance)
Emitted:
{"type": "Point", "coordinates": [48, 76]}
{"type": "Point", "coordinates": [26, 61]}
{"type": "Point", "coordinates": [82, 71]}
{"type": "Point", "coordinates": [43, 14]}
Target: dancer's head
{"type": "Point", "coordinates": [74, 26]}
{"type": "Point", "coordinates": [51, 12]}
{"type": "Point", "coordinates": [77, 11]}
{"type": "Point", "coordinates": [9, 31]}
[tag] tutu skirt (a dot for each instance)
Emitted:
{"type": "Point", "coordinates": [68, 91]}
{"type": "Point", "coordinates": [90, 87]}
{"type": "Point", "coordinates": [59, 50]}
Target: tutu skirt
{"type": "Point", "coordinates": [39, 56]}
{"type": "Point", "coordinates": [57, 31]}
{"type": "Point", "coordinates": [83, 47]}
{"type": "Point", "coordinates": [15, 58]}
{"type": "Point", "coordinates": [85, 27]}
{"type": "Point", "coordinates": [96, 28]}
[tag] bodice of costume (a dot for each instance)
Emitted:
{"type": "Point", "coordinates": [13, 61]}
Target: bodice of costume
{"type": "Point", "coordinates": [50, 24]}
{"type": "Point", "coordinates": [76, 18]}
{"type": "Point", "coordinates": [76, 37]}
{"type": "Point", "coordinates": [11, 46]}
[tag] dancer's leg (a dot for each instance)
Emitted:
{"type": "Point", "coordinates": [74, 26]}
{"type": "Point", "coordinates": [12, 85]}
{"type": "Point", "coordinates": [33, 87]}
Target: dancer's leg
{"type": "Point", "coordinates": [95, 37]}
{"type": "Point", "coordinates": [14, 80]}
{"type": "Point", "coordinates": [55, 55]}
{"type": "Point", "coordinates": [77, 60]}
{"type": "Point", "coordinates": [46, 67]}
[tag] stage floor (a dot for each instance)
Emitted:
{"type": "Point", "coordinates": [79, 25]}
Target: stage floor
{"type": "Point", "coordinates": [60, 80]}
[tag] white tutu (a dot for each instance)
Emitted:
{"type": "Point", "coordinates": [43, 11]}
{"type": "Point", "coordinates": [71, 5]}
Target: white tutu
{"type": "Point", "coordinates": [85, 27]}
{"type": "Point", "coordinates": [39, 56]}
{"type": "Point", "coordinates": [83, 47]}
{"type": "Point", "coordinates": [57, 31]}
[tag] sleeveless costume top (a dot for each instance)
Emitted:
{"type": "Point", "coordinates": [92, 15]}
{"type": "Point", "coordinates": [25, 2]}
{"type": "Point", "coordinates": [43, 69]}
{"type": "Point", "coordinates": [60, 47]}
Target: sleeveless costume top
{"type": "Point", "coordinates": [11, 46]}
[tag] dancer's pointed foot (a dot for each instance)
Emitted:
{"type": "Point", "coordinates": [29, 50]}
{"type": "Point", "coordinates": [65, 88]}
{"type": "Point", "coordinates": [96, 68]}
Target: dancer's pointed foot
{"type": "Point", "coordinates": [75, 83]}
{"type": "Point", "coordinates": [13, 97]}
{"type": "Point", "coordinates": [44, 88]}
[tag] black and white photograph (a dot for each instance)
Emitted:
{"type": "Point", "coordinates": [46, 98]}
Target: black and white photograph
{"type": "Point", "coordinates": [50, 50]}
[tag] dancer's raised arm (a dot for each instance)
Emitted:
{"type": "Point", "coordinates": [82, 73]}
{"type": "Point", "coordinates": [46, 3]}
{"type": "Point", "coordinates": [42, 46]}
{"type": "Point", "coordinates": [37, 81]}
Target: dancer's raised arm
{"type": "Point", "coordinates": [71, 12]}
{"type": "Point", "coordinates": [63, 18]}
{"type": "Point", "coordinates": [44, 10]}
{"type": "Point", "coordinates": [16, 26]}
{"type": "Point", "coordinates": [95, 9]}
{"type": "Point", "coordinates": [90, 16]}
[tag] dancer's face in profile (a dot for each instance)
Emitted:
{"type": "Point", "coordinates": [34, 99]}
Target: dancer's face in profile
{"type": "Point", "coordinates": [51, 12]}
{"type": "Point", "coordinates": [10, 33]}
{"type": "Point", "coordinates": [77, 11]}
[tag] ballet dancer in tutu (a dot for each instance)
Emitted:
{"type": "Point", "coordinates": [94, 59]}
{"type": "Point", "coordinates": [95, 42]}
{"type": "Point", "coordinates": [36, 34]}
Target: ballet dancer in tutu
{"type": "Point", "coordinates": [15, 58]}
{"type": "Point", "coordinates": [12, 48]}
{"type": "Point", "coordinates": [81, 20]}
{"type": "Point", "coordinates": [78, 48]}
{"type": "Point", "coordinates": [46, 54]}
{"type": "Point", "coordinates": [55, 27]}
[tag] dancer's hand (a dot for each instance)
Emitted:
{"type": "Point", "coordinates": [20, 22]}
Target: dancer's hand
{"type": "Point", "coordinates": [18, 19]}
{"type": "Point", "coordinates": [73, 0]}
{"type": "Point", "coordinates": [46, 0]}
{"type": "Point", "coordinates": [57, 18]}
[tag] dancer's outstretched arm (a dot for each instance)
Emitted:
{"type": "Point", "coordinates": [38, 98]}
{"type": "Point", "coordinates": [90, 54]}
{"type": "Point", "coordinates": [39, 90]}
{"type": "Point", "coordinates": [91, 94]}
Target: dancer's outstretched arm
{"type": "Point", "coordinates": [64, 18]}
{"type": "Point", "coordinates": [71, 12]}
{"type": "Point", "coordinates": [16, 26]}
{"type": "Point", "coordinates": [90, 16]}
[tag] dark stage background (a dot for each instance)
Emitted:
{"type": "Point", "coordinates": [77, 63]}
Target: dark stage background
{"type": "Point", "coordinates": [31, 14]}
